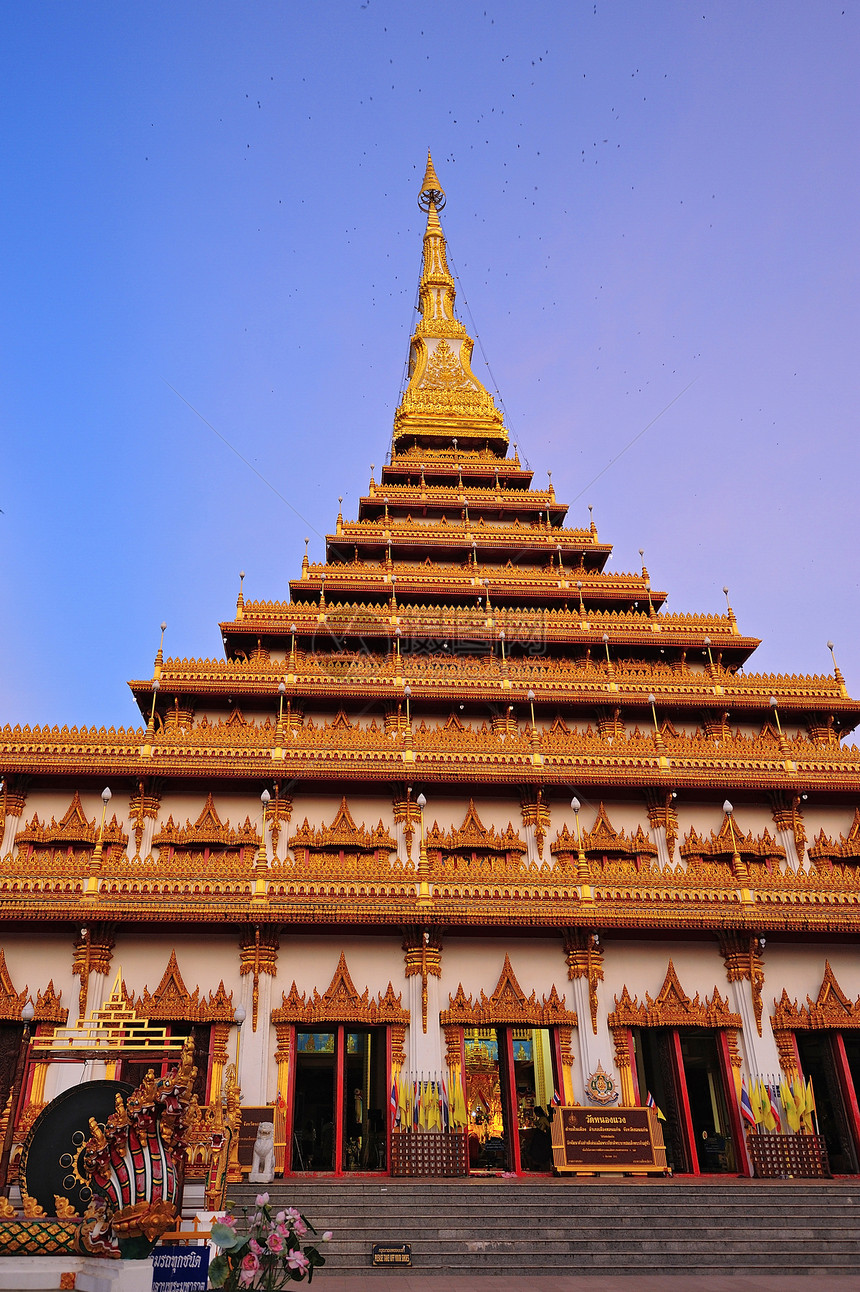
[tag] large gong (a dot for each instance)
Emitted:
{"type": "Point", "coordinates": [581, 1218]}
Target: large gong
{"type": "Point", "coordinates": [52, 1157]}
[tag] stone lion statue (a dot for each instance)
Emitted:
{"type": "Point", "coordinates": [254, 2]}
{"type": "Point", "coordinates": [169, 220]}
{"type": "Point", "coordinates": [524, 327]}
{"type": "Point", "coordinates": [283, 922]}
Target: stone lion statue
{"type": "Point", "coordinates": [263, 1165]}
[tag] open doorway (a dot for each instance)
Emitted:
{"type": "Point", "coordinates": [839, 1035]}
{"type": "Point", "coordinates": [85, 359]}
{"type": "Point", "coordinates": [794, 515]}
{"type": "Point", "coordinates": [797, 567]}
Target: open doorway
{"type": "Point", "coordinates": [339, 1100]}
{"type": "Point", "coordinates": [510, 1081]}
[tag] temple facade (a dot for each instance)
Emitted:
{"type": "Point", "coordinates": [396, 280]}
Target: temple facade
{"type": "Point", "coordinates": [466, 808]}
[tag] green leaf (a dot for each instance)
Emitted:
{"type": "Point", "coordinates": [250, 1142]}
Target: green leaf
{"type": "Point", "coordinates": [225, 1237]}
{"type": "Point", "coordinates": [218, 1271]}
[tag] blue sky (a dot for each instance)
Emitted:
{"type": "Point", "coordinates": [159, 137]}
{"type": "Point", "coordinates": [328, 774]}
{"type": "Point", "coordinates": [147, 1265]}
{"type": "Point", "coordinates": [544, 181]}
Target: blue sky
{"type": "Point", "coordinates": [221, 198]}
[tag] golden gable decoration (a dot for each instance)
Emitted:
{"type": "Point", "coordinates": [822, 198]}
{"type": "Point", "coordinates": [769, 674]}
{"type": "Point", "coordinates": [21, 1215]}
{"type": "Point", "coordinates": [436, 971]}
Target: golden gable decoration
{"type": "Point", "coordinates": [730, 841]}
{"type": "Point", "coordinates": [603, 840]}
{"type": "Point", "coordinates": [172, 1002]}
{"type": "Point", "coordinates": [73, 830]}
{"type": "Point", "coordinates": [847, 848]}
{"type": "Point", "coordinates": [832, 1009]}
{"type": "Point", "coordinates": [207, 832]}
{"type": "Point", "coordinates": [475, 838]}
{"type": "Point", "coordinates": [508, 1004]}
{"type": "Point", "coordinates": [49, 1008]}
{"type": "Point", "coordinates": [672, 1008]}
{"type": "Point", "coordinates": [343, 837]}
{"type": "Point", "coordinates": [11, 1001]}
{"type": "Point", "coordinates": [341, 1003]}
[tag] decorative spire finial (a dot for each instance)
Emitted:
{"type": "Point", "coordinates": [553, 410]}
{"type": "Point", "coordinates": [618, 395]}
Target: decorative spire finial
{"type": "Point", "coordinates": [443, 398]}
{"type": "Point", "coordinates": [432, 192]}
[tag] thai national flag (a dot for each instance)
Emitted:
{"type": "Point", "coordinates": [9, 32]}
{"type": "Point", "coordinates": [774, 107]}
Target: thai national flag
{"type": "Point", "coordinates": [393, 1100]}
{"type": "Point", "coordinates": [746, 1107]}
{"type": "Point", "coordinates": [556, 1099]}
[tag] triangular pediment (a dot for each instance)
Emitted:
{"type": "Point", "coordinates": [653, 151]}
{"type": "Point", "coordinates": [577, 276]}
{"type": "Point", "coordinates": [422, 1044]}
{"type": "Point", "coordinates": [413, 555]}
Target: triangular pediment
{"type": "Point", "coordinates": [75, 814]}
{"type": "Point", "coordinates": [236, 719]}
{"type": "Point", "coordinates": [831, 996]}
{"type": "Point", "coordinates": [209, 818]}
{"type": "Point", "coordinates": [171, 1000]}
{"type": "Point", "coordinates": [11, 1001]}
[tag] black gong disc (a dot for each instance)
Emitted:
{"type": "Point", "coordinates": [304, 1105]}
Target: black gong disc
{"type": "Point", "coordinates": [52, 1157]}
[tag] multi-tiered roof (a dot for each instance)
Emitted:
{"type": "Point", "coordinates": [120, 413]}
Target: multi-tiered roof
{"type": "Point", "coordinates": [459, 635]}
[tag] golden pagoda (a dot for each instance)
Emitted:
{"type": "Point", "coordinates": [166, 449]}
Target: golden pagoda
{"type": "Point", "coordinates": [466, 809]}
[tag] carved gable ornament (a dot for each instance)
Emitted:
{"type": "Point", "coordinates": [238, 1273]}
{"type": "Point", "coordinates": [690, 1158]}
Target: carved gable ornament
{"type": "Point", "coordinates": [672, 1008]}
{"type": "Point", "coordinates": [341, 1003]}
{"type": "Point", "coordinates": [207, 832]}
{"type": "Point", "coordinates": [172, 1002]}
{"type": "Point", "coordinates": [474, 837]}
{"type": "Point", "coordinates": [846, 848]}
{"type": "Point", "coordinates": [11, 1001]}
{"type": "Point", "coordinates": [73, 830]}
{"type": "Point", "coordinates": [508, 1004]}
{"type": "Point", "coordinates": [603, 840]}
{"type": "Point", "coordinates": [729, 840]}
{"type": "Point", "coordinates": [832, 1009]}
{"type": "Point", "coordinates": [342, 837]}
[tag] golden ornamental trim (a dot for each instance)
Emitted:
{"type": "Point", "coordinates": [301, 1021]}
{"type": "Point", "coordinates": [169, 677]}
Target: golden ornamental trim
{"type": "Point", "coordinates": [603, 840]}
{"type": "Point", "coordinates": [508, 1004]}
{"type": "Point", "coordinates": [341, 1003]}
{"type": "Point", "coordinates": [208, 831]}
{"type": "Point", "coordinates": [473, 836]}
{"type": "Point", "coordinates": [342, 835]}
{"type": "Point", "coordinates": [672, 1008]}
{"type": "Point", "coordinates": [172, 1002]}
{"type": "Point", "coordinates": [832, 1009]}
{"type": "Point", "coordinates": [11, 1001]}
{"type": "Point", "coordinates": [49, 1008]}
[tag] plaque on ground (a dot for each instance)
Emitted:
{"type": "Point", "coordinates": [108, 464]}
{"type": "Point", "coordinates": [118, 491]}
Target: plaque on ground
{"type": "Point", "coordinates": [607, 1139]}
{"type": "Point", "coordinates": [392, 1253]}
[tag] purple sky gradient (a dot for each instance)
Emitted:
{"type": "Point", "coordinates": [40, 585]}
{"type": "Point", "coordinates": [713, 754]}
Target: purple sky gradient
{"type": "Point", "coordinates": [222, 197]}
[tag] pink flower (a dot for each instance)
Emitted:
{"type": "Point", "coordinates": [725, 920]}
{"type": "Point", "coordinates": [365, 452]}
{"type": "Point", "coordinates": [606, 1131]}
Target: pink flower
{"type": "Point", "coordinates": [298, 1261]}
{"type": "Point", "coordinates": [275, 1242]}
{"type": "Point", "coordinates": [255, 1247]}
{"type": "Point", "coordinates": [293, 1214]}
{"type": "Point", "coordinates": [300, 1227]}
{"type": "Point", "coordinates": [250, 1265]}
{"type": "Point", "coordinates": [327, 1236]}
{"type": "Point", "coordinates": [262, 1199]}
{"type": "Point", "coordinates": [281, 1217]}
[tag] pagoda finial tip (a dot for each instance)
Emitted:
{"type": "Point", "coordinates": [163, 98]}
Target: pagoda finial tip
{"type": "Point", "coordinates": [432, 193]}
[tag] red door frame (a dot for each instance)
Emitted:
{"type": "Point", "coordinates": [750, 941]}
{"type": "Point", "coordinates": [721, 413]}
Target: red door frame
{"type": "Point", "coordinates": [742, 1161]}
{"type": "Point", "coordinates": [340, 1107]}
{"type": "Point", "coordinates": [846, 1082]}
{"type": "Point", "coordinates": [509, 1099]}
{"type": "Point", "coordinates": [686, 1116]}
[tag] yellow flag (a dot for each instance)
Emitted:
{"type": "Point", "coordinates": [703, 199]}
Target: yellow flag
{"type": "Point", "coordinates": [767, 1110]}
{"type": "Point", "coordinates": [790, 1106]}
{"type": "Point", "coordinates": [403, 1102]}
{"type": "Point", "coordinates": [755, 1103]}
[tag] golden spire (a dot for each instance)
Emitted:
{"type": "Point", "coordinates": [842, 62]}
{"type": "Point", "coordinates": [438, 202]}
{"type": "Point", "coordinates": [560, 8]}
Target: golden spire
{"type": "Point", "coordinates": [443, 398]}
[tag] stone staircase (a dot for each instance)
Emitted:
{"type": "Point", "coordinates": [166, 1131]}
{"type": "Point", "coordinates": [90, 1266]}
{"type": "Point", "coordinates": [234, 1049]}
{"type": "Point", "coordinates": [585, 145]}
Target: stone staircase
{"type": "Point", "coordinates": [593, 1226]}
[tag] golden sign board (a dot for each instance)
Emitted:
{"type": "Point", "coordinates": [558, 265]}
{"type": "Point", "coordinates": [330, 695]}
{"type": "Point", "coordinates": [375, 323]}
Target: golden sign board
{"type": "Point", "coordinates": [607, 1139]}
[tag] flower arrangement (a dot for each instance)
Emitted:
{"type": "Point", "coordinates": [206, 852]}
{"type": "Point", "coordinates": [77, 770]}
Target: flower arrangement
{"type": "Point", "coordinates": [264, 1251]}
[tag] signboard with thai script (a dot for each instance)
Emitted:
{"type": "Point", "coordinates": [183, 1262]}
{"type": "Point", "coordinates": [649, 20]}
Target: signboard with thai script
{"type": "Point", "coordinates": [607, 1139]}
{"type": "Point", "coordinates": [392, 1253]}
{"type": "Point", "coordinates": [180, 1269]}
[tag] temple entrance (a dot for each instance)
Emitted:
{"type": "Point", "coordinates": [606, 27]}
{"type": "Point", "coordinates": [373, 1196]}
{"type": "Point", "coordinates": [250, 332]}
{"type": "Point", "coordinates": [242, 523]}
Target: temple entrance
{"type": "Point", "coordinates": [510, 1080]}
{"type": "Point", "coordinates": [832, 1061]}
{"type": "Point", "coordinates": [340, 1100]}
{"type": "Point", "coordinates": [685, 1071]}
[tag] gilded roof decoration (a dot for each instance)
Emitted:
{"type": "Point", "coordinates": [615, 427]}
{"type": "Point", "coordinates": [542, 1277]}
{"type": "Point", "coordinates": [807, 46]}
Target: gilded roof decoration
{"type": "Point", "coordinates": [603, 840]}
{"type": "Point", "coordinates": [341, 1003]}
{"type": "Point", "coordinates": [11, 1001]}
{"type": "Point", "coordinates": [208, 831]}
{"type": "Point", "coordinates": [73, 829]}
{"type": "Point", "coordinates": [845, 849]}
{"type": "Point", "coordinates": [672, 1007]}
{"type": "Point", "coordinates": [474, 837]}
{"type": "Point", "coordinates": [730, 839]}
{"type": "Point", "coordinates": [508, 1004]}
{"type": "Point", "coordinates": [343, 835]}
{"type": "Point", "coordinates": [831, 1009]}
{"type": "Point", "coordinates": [173, 1002]}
